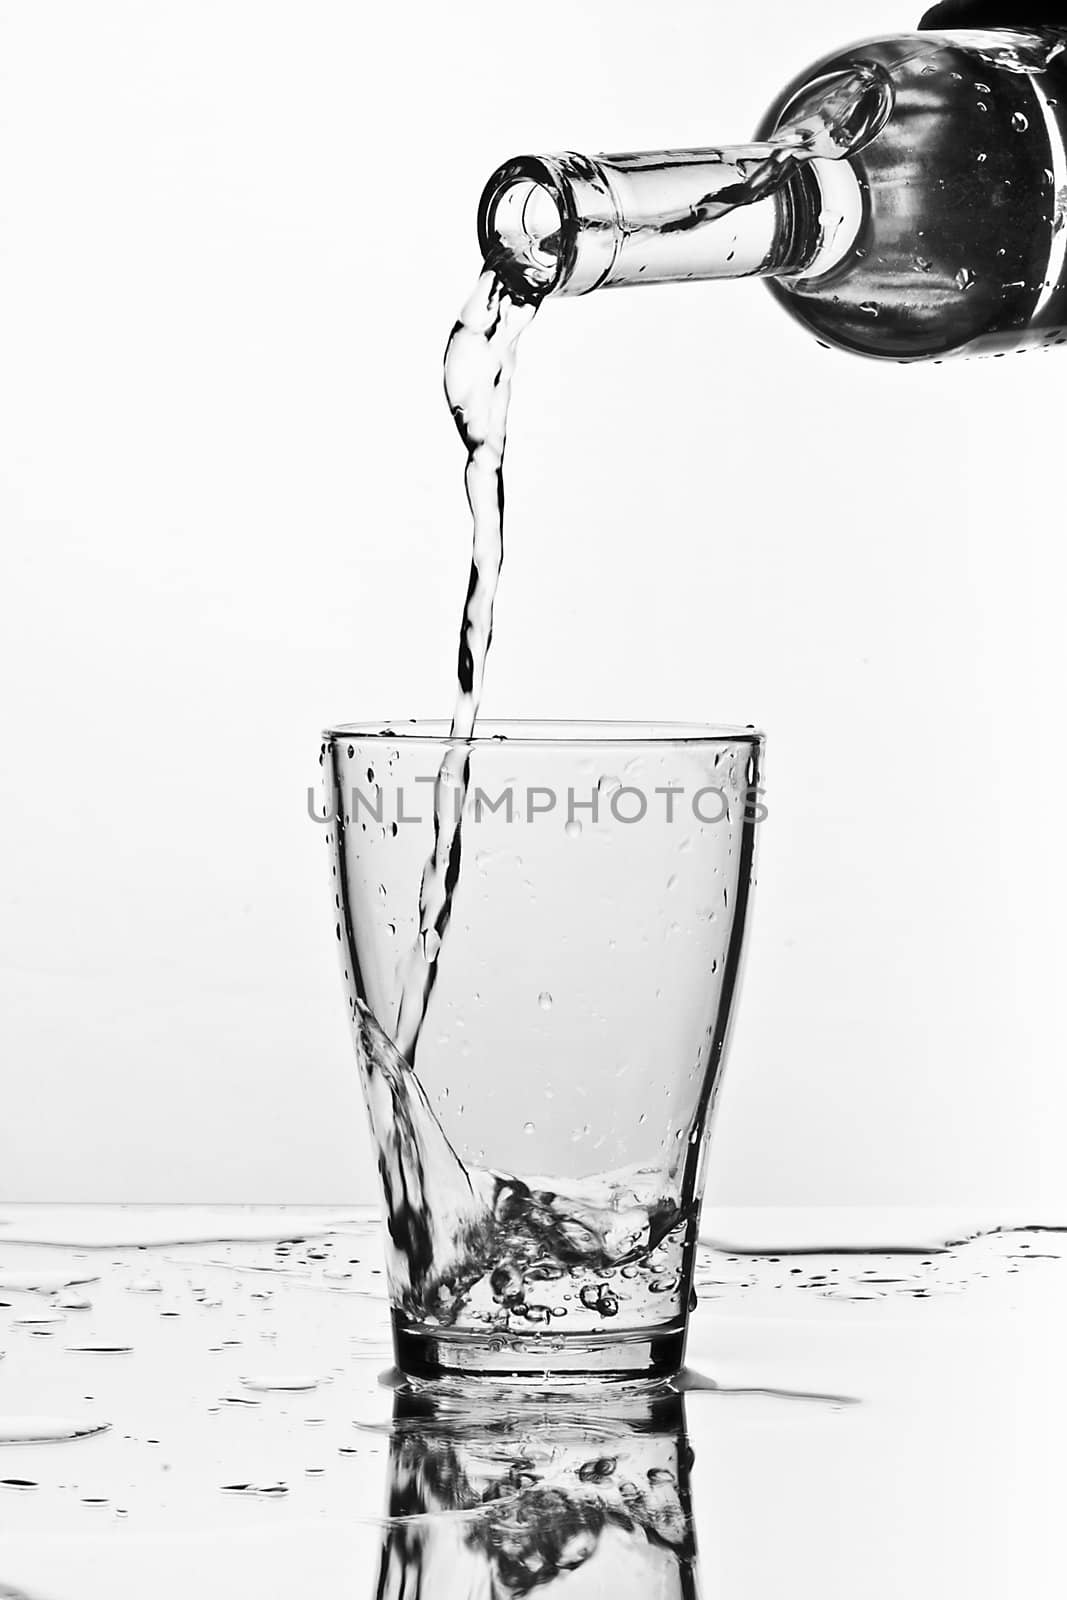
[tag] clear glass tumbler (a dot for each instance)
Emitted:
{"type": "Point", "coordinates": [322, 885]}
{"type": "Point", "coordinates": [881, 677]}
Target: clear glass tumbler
{"type": "Point", "coordinates": [541, 931]}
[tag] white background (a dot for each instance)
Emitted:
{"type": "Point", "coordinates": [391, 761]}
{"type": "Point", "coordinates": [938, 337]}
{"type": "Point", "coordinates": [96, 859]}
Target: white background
{"type": "Point", "coordinates": [232, 240]}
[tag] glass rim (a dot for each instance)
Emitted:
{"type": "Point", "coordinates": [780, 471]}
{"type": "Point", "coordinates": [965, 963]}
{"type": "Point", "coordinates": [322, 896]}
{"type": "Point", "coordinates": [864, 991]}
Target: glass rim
{"type": "Point", "coordinates": [563, 732]}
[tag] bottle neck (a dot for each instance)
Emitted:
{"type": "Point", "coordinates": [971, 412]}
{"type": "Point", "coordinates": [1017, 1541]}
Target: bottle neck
{"type": "Point", "coordinates": [790, 207]}
{"type": "Point", "coordinates": [567, 224]}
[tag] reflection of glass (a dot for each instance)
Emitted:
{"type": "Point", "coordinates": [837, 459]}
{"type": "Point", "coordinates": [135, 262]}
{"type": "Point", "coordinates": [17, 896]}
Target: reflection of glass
{"type": "Point", "coordinates": [542, 1157]}
{"type": "Point", "coordinates": [511, 1498]}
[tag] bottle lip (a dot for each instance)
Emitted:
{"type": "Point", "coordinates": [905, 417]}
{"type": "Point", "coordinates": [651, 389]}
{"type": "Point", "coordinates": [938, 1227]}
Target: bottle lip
{"type": "Point", "coordinates": [506, 242]}
{"type": "Point", "coordinates": [549, 224]}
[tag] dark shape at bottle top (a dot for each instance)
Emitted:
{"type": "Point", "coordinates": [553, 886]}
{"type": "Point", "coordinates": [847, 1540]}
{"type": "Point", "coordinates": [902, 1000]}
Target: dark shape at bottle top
{"type": "Point", "coordinates": [993, 14]}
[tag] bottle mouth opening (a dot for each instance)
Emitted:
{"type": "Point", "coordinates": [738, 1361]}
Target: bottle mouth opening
{"type": "Point", "coordinates": [524, 226]}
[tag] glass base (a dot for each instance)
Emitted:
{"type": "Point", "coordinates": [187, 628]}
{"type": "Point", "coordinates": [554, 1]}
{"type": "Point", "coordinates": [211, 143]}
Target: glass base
{"type": "Point", "coordinates": [628, 1356]}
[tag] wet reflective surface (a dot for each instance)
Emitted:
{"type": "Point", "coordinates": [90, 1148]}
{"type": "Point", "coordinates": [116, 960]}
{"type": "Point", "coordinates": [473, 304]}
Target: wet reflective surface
{"type": "Point", "coordinates": [196, 1400]}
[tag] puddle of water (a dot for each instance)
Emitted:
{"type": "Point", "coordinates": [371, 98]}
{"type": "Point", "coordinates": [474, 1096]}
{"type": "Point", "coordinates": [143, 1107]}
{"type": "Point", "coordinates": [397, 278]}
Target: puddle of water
{"type": "Point", "coordinates": [227, 1415]}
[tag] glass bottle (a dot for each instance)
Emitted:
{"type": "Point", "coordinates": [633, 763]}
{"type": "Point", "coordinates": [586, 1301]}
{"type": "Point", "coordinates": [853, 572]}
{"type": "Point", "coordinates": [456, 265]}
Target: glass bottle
{"type": "Point", "coordinates": [905, 198]}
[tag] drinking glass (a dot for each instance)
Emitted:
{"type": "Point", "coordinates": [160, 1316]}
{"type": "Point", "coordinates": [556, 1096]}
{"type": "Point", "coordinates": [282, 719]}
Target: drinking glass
{"type": "Point", "coordinates": [541, 930]}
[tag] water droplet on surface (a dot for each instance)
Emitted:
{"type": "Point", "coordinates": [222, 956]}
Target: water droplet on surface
{"type": "Point", "coordinates": [1020, 122]}
{"type": "Point", "coordinates": [869, 309]}
{"type": "Point", "coordinates": [101, 1349]}
{"type": "Point", "coordinates": [46, 1430]}
{"type": "Point", "coordinates": [573, 829]}
{"type": "Point", "coordinates": [529, 1127]}
{"type": "Point", "coordinates": [544, 1000]}
{"type": "Point", "coordinates": [285, 1384]}
{"type": "Point", "coordinates": [964, 278]}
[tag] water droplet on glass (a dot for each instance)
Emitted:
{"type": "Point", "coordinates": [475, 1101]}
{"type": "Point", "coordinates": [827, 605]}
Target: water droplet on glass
{"type": "Point", "coordinates": [529, 1127]}
{"type": "Point", "coordinates": [573, 829]}
{"type": "Point", "coordinates": [544, 1000]}
{"type": "Point", "coordinates": [964, 278]}
{"type": "Point", "coordinates": [1019, 122]}
{"type": "Point", "coordinates": [869, 309]}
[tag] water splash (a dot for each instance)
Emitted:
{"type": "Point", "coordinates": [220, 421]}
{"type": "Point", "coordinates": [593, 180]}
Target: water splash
{"type": "Point", "coordinates": [490, 1252]}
